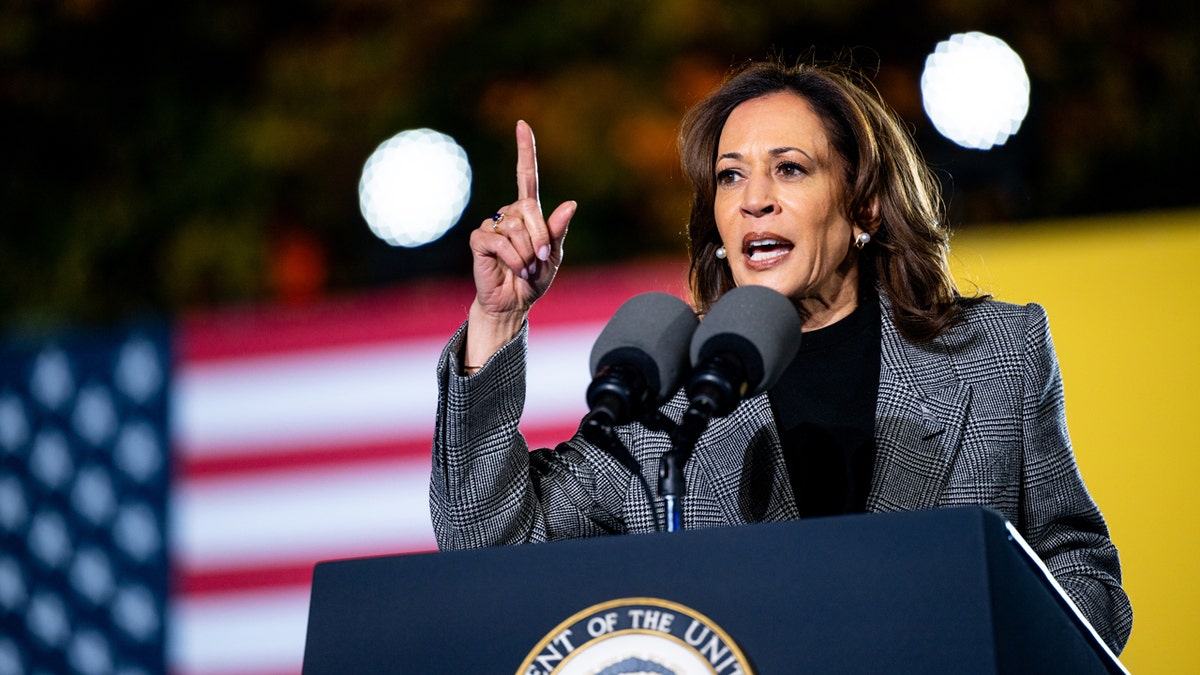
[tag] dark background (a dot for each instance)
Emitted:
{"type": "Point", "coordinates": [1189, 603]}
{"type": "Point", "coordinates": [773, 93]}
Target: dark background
{"type": "Point", "coordinates": [162, 157]}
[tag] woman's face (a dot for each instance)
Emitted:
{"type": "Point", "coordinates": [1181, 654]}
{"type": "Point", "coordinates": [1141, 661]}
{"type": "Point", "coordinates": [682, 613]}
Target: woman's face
{"type": "Point", "coordinates": [779, 208]}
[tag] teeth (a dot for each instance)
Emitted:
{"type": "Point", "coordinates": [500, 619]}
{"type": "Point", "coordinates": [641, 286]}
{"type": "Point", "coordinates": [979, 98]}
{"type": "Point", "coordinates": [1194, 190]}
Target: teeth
{"type": "Point", "coordinates": [756, 254]}
{"type": "Point", "coordinates": [766, 249]}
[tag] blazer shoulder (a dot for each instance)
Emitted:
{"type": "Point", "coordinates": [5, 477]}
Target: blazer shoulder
{"type": "Point", "coordinates": [999, 310]}
{"type": "Point", "coordinates": [990, 341]}
{"type": "Point", "coordinates": [989, 319]}
{"type": "Point", "coordinates": [997, 322]}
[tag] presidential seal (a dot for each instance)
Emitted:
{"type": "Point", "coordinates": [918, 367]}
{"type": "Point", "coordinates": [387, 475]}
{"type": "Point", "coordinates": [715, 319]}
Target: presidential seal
{"type": "Point", "coordinates": [636, 636]}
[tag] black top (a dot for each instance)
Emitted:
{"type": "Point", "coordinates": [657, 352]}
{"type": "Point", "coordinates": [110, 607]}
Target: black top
{"type": "Point", "coordinates": [825, 410]}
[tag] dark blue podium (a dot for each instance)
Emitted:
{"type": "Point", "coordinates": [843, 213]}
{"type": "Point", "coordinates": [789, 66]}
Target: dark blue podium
{"type": "Point", "coordinates": [939, 591]}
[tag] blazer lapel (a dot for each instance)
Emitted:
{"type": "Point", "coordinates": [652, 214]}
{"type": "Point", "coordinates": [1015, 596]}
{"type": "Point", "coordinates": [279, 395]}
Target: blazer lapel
{"type": "Point", "coordinates": [742, 461]}
{"type": "Point", "coordinates": [920, 414]}
{"type": "Point", "coordinates": [916, 439]}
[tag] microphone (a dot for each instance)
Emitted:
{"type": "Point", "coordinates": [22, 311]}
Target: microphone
{"type": "Point", "coordinates": [639, 359]}
{"type": "Point", "coordinates": [741, 348]}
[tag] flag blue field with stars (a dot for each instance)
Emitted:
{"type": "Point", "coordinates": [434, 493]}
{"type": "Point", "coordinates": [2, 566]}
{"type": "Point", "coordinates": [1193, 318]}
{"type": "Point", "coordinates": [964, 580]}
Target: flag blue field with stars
{"type": "Point", "coordinates": [83, 494]}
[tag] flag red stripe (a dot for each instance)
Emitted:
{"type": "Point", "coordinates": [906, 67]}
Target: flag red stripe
{"type": "Point", "coordinates": [253, 579]}
{"type": "Point", "coordinates": [272, 577]}
{"type": "Point", "coordinates": [430, 309]}
{"type": "Point", "coordinates": [237, 463]}
{"type": "Point", "coordinates": [362, 320]}
{"type": "Point", "coordinates": [269, 460]}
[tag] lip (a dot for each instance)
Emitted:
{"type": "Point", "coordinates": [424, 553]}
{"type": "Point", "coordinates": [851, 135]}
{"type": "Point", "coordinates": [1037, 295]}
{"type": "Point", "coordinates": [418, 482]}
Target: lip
{"type": "Point", "coordinates": [775, 247]}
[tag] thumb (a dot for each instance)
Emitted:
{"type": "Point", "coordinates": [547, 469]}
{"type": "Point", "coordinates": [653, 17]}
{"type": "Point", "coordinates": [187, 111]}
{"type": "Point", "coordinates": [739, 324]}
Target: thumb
{"type": "Point", "coordinates": [557, 225]}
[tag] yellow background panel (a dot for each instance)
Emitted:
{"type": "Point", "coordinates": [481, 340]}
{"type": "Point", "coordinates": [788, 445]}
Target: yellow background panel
{"type": "Point", "coordinates": [1125, 317]}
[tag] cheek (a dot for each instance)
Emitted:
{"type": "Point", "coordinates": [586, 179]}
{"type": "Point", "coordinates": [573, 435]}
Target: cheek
{"type": "Point", "coordinates": [721, 207]}
{"type": "Point", "coordinates": [826, 258]}
{"type": "Point", "coordinates": [724, 221]}
{"type": "Point", "coordinates": [833, 247]}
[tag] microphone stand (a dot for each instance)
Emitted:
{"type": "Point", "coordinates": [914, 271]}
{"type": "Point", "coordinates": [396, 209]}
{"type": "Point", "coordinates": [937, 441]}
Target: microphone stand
{"type": "Point", "coordinates": [672, 485]}
{"type": "Point", "coordinates": [713, 390]}
{"type": "Point", "coordinates": [597, 429]}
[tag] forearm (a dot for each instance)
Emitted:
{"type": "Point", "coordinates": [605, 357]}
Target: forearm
{"type": "Point", "coordinates": [481, 491]}
{"type": "Point", "coordinates": [1059, 518]}
{"type": "Point", "coordinates": [1088, 568]}
{"type": "Point", "coordinates": [1063, 525]}
{"type": "Point", "coordinates": [487, 333]}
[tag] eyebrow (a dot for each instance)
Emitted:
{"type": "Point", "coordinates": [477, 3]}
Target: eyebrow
{"type": "Point", "coordinates": [774, 153]}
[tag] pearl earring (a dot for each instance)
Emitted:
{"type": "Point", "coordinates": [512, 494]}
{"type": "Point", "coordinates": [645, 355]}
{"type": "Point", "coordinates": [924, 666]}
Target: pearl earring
{"type": "Point", "coordinates": [721, 253]}
{"type": "Point", "coordinates": [862, 240]}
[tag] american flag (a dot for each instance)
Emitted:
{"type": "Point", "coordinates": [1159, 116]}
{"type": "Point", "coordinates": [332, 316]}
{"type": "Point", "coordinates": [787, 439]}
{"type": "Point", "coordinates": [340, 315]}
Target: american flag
{"type": "Point", "coordinates": [166, 491]}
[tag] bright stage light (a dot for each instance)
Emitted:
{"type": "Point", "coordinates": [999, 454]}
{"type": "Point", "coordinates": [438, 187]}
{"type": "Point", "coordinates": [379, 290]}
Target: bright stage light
{"type": "Point", "coordinates": [975, 90]}
{"type": "Point", "coordinates": [414, 187]}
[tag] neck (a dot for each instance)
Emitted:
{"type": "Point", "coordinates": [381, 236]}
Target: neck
{"type": "Point", "coordinates": [831, 304]}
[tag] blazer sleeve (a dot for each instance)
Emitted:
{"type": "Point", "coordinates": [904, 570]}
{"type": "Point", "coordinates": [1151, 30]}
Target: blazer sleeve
{"type": "Point", "coordinates": [1059, 519]}
{"type": "Point", "coordinates": [486, 488]}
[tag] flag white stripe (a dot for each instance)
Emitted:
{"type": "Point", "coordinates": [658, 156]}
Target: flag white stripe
{"type": "Point", "coordinates": [302, 516]}
{"type": "Point", "coordinates": [558, 374]}
{"type": "Point", "coordinates": [239, 633]}
{"type": "Point", "coordinates": [308, 399]}
{"type": "Point", "coordinates": [346, 395]}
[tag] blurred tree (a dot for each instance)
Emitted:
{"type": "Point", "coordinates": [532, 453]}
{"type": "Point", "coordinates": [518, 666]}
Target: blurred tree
{"type": "Point", "coordinates": [155, 156]}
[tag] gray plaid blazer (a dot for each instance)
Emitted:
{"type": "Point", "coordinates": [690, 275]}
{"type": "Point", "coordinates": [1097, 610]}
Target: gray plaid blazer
{"type": "Point", "coordinates": [975, 417]}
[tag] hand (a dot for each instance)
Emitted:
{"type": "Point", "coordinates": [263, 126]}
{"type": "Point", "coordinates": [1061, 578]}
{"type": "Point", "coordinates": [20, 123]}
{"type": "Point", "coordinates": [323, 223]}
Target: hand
{"type": "Point", "coordinates": [515, 257]}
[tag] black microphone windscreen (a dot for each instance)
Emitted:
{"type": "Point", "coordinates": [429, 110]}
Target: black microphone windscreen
{"type": "Point", "coordinates": [651, 332]}
{"type": "Point", "coordinates": [756, 324]}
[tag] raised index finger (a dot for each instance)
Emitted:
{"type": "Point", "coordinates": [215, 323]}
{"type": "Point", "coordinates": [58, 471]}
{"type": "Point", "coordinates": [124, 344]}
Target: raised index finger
{"type": "Point", "coordinates": [527, 182]}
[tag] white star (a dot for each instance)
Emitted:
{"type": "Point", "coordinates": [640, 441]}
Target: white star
{"type": "Point", "coordinates": [92, 576]}
{"type": "Point", "coordinates": [136, 532]}
{"type": "Point", "coordinates": [138, 373]}
{"type": "Point", "coordinates": [94, 418]}
{"type": "Point", "coordinates": [14, 424]}
{"type": "Point", "coordinates": [14, 509]}
{"type": "Point", "coordinates": [47, 619]}
{"type": "Point", "coordinates": [52, 383]}
{"type": "Point", "coordinates": [49, 539]}
{"type": "Point", "coordinates": [93, 496]}
{"type": "Point", "coordinates": [137, 451]}
{"type": "Point", "coordinates": [89, 653]}
{"type": "Point", "coordinates": [13, 590]}
{"type": "Point", "coordinates": [51, 461]}
{"type": "Point", "coordinates": [134, 611]}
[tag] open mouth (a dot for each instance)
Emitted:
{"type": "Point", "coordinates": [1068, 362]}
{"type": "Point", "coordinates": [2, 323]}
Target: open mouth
{"type": "Point", "coordinates": [761, 250]}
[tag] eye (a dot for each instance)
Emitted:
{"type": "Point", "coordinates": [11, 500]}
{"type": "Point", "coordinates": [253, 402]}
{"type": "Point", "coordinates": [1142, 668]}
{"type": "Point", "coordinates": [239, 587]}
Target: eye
{"type": "Point", "coordinates": [726, 177]}
{"type": "Point", "coordinates": [790, 169]}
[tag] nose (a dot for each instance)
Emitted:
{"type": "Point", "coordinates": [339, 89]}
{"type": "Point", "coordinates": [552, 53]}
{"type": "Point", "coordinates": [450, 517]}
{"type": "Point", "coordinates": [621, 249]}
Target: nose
{"type": "Point", "coordinates": [758, 198]}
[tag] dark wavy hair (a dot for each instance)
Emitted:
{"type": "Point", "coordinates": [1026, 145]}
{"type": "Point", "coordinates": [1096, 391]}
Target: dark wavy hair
{"type": "Point", "coordinates": [908, 252]}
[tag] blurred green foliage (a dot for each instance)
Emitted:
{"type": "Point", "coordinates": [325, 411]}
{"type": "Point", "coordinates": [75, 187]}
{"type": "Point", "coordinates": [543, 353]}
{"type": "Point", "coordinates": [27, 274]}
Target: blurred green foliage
{"type": "Point", "coordinates": [156, 157]}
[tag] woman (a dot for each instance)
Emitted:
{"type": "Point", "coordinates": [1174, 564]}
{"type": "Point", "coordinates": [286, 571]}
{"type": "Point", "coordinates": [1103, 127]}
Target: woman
{"type": "Point", "coordinates": [905, 395]}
